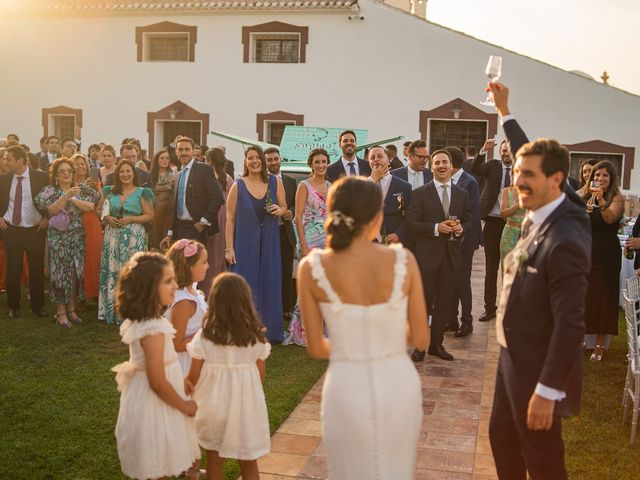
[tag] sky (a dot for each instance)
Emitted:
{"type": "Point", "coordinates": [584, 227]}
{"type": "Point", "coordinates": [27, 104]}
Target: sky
{"type": "Point", "coordinates": [587, 35]}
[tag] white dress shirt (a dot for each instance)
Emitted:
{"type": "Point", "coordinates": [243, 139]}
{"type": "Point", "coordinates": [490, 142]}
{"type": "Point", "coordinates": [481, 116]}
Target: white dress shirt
{"type": "Point", "coordinates": [347, 168]}
{"type": "Point", "coordinates": [495, 211]}
{"type": "Point", "coordinates": [440, 191]}
{"type": "Point", "coordinates": [30, 215]}
{"type": "Point", "coordinates": [186, 216]}
{"type": "Point", "coordinates": [455, 178]}
{"type": "Point", "coordinates": [415, 178]}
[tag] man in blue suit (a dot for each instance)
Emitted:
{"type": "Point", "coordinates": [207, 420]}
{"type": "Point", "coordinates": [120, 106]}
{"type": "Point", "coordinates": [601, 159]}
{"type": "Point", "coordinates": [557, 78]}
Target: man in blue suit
{"type": "Point", "coordinates": [348, 164]}
{"type": "Point", "coordinates": [416, 172]}
{"type": "Point", "coordinates": [396, 194]}
{"type": "Point", "coordinates": [470, 244]}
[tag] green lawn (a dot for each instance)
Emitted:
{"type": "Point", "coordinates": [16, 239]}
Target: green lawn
{"type": "Point", "coordinates": [597, 443]}
{"type": "Point", "coordinates": [59, 403]}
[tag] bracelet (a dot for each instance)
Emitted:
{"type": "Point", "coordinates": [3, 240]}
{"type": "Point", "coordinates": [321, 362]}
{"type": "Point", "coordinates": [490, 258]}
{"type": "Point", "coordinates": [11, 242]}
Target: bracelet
{"type": "Point", "coordinates": [227, 250]}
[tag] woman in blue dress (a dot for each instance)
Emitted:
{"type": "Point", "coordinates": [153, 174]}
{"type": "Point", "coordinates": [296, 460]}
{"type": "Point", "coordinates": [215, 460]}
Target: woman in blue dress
{"type": "Point", "coordinates": [129, 207]}
{"type": "Point", "coordinates": [254, 204]}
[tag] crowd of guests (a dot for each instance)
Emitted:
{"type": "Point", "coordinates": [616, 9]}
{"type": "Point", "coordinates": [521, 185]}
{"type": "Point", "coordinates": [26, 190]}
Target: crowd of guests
{"type": "Point", "coordinates": [97, 210]}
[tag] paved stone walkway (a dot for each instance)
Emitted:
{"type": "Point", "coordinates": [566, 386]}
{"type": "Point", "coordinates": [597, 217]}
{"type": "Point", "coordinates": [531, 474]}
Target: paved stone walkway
{"type": "Point", "coordinates": [457, 399]}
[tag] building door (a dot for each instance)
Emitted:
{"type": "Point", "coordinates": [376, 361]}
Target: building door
{"type": "Point", "coordinates": [171, 129]}
{"type": "Point", "coordinates": [457, 133]}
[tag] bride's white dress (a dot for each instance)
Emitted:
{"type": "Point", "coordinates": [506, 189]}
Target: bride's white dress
{"type": "Point", "coordinates": [372, 398]}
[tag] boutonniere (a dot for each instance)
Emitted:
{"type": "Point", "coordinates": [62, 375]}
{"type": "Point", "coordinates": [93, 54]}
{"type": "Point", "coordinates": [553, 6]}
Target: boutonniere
{"type": "Point", "coordinates": [520, 256]}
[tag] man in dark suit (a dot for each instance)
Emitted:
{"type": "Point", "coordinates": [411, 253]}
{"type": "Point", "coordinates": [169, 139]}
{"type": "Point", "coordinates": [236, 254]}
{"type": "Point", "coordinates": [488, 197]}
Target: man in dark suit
{"type": "Point", "coordinates": [348, 164]}
{"type": "Point", "coordinates": [497, 175]}
{"type": "Point", "coordinates": [287, 235]}
{"type": "Point", "coordinates": [23, 228]}
{"type": "Point", "coordinates": [43, 147]}
{"type": "Point", "coordinates": [540, 322]}
{"type": "Point", "coordinates": [128, 152]}
{"type": "Point", "coordinates": [392, 153]}
{"type": "Point", "coordinates": [470, 243]}
{"type": "Point", "coordinates": [397, 196]}
{"type": "Point", "coordinates": [438, 245]}
{"type": "Point", "coordinates": [417, 171]}
{"type": "Point", "coordinates": [197, 199]}
{"type": "Point", "coordinates": [53, 152]}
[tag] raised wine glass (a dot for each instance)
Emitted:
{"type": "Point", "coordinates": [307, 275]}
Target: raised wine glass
{"type": "Point", "coordinates": [593, 201]}
{"type": "Point", "coordinates": [493, 71]}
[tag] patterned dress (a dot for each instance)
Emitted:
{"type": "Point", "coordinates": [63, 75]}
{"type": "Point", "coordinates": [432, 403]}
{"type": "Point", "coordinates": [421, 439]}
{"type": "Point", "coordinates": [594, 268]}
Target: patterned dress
{"type": "Point", "coordinates": [315, 213]}
{"type": "Point", "coordinates": [66, 249]}
{"type": "Point", "coordinates": [511, 232]}
{"type": "Point", "coordinates": [119, 244]}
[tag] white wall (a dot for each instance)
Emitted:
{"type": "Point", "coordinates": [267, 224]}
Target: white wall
{"type": "Point", "coordinates": [376, 74]}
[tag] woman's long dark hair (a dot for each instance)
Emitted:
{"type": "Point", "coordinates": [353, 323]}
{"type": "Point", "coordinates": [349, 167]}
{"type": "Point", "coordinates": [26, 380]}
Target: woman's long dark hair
{"type": "Point", "coordinates": [613, 189]}
{"type": "Point", "coordinates": [263, 160]}
{"type": "Point", "coordinates": [589, 161]}
{"type": "Point", "coordinates": [215, 157]}
{"type": "Point", "coordinates": [117, 184]}
{"type": "Point", "coordinates": [155, 168]}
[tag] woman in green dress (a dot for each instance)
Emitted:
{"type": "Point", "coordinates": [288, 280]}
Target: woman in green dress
{"type": "Point", "coordinates": [129, 207]}
{"type": "Point", "coordinates": [65, 239]}
{"type": "Point", "coordinates": [513, 215]}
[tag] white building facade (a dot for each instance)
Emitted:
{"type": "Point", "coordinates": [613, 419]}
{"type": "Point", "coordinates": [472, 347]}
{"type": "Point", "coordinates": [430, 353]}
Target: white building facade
{"type": "Point", "coordinates": [104, 70]}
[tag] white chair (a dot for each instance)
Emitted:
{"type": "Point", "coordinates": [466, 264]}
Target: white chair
{"type": "Point", "coordinates": [631, 394]}
{"type": "Point", "coordinates": [633, 287]}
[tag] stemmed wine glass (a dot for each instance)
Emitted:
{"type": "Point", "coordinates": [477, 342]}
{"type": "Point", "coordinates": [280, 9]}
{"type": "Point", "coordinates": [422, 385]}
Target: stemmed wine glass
{"type": "Point", "coordinates": [453, 222]}
{"type": "Point", "coordinates": [592, 203]}
{"type": "Point", "coordinates": [493, 71]}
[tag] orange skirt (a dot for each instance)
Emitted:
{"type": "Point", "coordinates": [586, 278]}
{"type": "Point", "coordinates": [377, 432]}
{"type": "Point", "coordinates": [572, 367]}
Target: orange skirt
{"type": "Point", "coordinates": [93, 240]}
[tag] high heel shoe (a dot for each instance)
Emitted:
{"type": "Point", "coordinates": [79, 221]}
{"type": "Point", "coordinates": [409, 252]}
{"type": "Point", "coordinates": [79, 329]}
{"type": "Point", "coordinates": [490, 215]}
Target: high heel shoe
{"type": "Point", "coordinates": [75, 318]}
{"type": "Point", "coordinates": [596, 356]}
{"type": "Point", "coordinates": [62, 323]}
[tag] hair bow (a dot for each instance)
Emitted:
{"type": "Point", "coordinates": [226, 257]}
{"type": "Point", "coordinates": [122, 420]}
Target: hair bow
{"type": "Point", "coordinates": [189, 247]}
{"type": "Point", "coordinates": [339, 217]}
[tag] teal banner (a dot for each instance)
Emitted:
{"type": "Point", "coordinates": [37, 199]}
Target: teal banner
{"type": "Point", "coordinates": [297, 141]}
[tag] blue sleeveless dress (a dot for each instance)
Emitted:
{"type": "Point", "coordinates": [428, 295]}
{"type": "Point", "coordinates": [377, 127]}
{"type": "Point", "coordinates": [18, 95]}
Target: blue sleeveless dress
{"type": "Point", "coordinates": [257, 247]}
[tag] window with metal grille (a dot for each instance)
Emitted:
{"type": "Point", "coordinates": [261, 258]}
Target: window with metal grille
{"type": "Point", "coordinates": [63, 126]}
{"type": "Point", "coordinates": [275, 131]}
{"type": "Point", "coordinates": [456, 133]}
{"type": "Point", "coordinates": [280, 48]}
{"type": "Point", "coordinates": [167, 47]}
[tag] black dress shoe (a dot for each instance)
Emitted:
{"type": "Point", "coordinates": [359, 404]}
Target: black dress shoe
{"type": "Point", "coordinates": [417, 355]}
{"type": "Point", "coordinates": [14, 313]}
{"type": "Point", "coordinates": [465, 329]}
{"type": "Point", "coordinates": [485, 317]}
{"type": "Point", "coordinates": [452, 327]}
{"type": "Point", "coordinates": [40, 312]}
{"type": "Point", "coordinates": [440, 352]}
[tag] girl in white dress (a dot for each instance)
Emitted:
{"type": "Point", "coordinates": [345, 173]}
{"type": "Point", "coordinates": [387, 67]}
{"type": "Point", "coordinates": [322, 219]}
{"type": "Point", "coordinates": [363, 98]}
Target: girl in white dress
{"type": "Point", "coordinates": [190, 263]}
{"type": "Point", "coordinates": [228, 369]}
{"type": "Point", "coordinates": [372, 397]}
{"type": "Point", "coordinates": [154, 434]}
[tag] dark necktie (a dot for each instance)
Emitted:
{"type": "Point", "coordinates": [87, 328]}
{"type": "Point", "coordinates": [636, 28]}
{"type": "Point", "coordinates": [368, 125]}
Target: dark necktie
{"type": "Point", "coordinates": [526, 226]}
{"type": "Point", "coordinates": [352, 168]}
{"type": "Point", "coordinates": [507, 177]}
{"type": "Point", "coordinates": [17, 203]}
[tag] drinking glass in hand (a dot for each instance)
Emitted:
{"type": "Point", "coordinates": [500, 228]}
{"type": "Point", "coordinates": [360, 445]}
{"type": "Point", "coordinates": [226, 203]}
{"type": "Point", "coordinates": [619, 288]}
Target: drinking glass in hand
{"type": "Point", "coordinates": [493, 71]}
{"type": "Point", "coordinates": [453, 223]}
{"type": "Point", "coordinates": [593, 201]}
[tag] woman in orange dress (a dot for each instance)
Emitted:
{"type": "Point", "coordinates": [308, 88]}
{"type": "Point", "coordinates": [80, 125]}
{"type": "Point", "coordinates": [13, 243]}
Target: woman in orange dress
{"type": "Point", "coordinates": [92, 231]}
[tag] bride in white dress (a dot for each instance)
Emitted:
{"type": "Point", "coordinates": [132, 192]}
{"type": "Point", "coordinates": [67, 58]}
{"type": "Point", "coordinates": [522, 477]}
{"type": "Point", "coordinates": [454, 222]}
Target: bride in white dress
{"type": "Point", "coordinates": [371, 299]}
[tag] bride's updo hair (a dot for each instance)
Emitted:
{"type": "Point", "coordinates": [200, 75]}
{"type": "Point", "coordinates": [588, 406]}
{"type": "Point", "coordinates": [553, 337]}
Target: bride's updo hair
{"type": "Point", "coordinates": [352, 202]}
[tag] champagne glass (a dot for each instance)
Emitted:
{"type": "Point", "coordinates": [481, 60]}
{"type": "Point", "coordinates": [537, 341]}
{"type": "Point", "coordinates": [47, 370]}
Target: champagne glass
{"type": "Point", "coordinates": [493, 71]}
{"type": "Point", "coordinates": [454, 221]}
{"type": "Point", "coordinates": [593, 201]}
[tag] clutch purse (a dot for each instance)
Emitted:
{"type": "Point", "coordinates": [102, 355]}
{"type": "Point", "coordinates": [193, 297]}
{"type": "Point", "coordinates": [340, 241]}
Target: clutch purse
{"type": "Point", "coordinates": [60, 221]}
{"type": "Point", "coordinates": [106, 209]}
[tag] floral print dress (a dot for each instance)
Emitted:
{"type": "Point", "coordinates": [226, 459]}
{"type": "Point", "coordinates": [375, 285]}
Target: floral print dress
{"type": "Point", "coordinates": [315, 213]}
{"type": "Point", "coordinates": [119, 245]}
{"type": "Point", "coordinates": [66, 249]}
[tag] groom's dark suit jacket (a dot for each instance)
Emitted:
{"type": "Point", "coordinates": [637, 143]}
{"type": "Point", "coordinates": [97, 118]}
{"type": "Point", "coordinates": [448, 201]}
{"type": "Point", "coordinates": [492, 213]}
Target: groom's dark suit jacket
{"type": "Point", "coordinates": [544, 316]}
